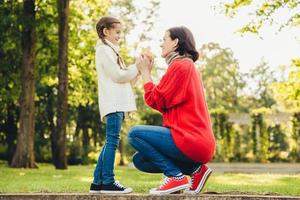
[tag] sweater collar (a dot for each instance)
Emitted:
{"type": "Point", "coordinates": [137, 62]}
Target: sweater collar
{"type": "Point", "coordinates": [100, 42]}
{"type": "Point", "coordinates": [116, 48]}
{"type": "Point", "coordinates": [175, 55]}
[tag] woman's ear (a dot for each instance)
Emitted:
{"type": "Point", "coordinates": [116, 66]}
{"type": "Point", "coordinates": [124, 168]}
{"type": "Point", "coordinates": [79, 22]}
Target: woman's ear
{"type": "Point", "coordinates": [176, 41]}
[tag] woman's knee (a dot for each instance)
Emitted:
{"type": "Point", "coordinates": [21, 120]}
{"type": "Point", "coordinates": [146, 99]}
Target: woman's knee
{"type": "Point", "coordinates": [136, 159]}
{"type": "Point", "coordinates": [133, 133]}
{"type": "Point", "coordinates": [143, 164]}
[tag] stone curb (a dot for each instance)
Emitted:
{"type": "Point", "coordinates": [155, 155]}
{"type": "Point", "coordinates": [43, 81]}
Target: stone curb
{"type": "Point", "coordinates": [83, 196]}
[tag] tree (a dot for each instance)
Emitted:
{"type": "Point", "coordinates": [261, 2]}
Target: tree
{"type": "Point", "coordinates": [24, 155]}
{"type": "Point", "coordinates": [221, 77]}
{"type": "Point", "coordinates": [260, 79]}
{"type": "Point", "coordinates": [59, 137]}
{"type": "Point", "coordinates": [85, 131]}
{"type": "Point", "coordinates": [260, 135]}
{"type": "Point", "coordinates": [10, 62]}
{"type": "Point", "coordinates": [287, 93]}
{"type": "Point", "coordinates": [278, 142]}
{"type": "Point", "coordinates": [264, 12]}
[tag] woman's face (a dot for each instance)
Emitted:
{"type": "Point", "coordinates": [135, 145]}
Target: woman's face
{"type": "Point", "coordinates": [113, 34]}
{"type": "Point", "coordinates": [168, 45]}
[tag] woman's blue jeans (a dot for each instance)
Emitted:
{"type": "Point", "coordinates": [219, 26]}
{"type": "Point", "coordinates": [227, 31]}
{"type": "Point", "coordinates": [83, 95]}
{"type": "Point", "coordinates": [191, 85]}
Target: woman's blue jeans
{"type": "Point", "coordinates": [104, 171]}
{"type": "Point", "coordinates": [157, 152]}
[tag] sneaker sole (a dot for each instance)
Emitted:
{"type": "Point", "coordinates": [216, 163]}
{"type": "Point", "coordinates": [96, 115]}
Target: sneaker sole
{"type": "Point", "coordinates": [176, 189]}
{"type": "Point", "coordinates": [202, 183]}
{"type": "Point", "coordinates": [126, 191]}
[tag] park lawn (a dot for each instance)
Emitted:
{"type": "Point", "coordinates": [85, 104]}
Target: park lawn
{"type": "Point", "coordinates": [78, 179]}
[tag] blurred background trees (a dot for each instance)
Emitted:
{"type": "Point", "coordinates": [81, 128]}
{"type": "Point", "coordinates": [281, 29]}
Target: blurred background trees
{"type": "Point", "coordinates": [255, 115]}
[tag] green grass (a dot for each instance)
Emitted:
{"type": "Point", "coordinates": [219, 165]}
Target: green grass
{"type": "Point", "coordinates": [78, 179]}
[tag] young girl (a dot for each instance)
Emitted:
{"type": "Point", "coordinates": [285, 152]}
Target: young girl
{"type": "Point", "coordinates": [115, 100]}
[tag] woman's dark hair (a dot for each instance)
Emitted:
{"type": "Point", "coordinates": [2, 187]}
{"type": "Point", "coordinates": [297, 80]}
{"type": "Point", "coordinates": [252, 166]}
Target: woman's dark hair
{"type": "Point", "coordinates": [186, 41]}
{"type": "Point", "coordinates": [106, 22]}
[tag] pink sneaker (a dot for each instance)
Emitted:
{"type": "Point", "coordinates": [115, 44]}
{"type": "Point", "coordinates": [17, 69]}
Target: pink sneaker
{"type": "Point", "coordinates": [198, 179]}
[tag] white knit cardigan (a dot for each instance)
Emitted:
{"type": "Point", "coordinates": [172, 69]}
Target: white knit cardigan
{"type": "Point", "coordinates": [114, 89]}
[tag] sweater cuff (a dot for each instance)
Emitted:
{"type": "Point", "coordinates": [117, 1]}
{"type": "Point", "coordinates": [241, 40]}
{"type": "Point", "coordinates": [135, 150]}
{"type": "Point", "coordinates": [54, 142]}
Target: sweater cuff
{"type": "Point", "coordinates": [148, 86]}
{"type": "Point", "coordinates": [133, 69]}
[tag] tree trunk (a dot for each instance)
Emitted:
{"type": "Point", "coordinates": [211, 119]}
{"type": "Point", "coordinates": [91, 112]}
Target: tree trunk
{"type": "Point", "coordinates": [11, 131]}
{"type": "Point", "coordinates": [50, 111]}
{"type": "Point", "coordinates": [79, 122]}
{"type": "Point", "coordinates": [59, 138]}
{"type": "Point", "coordinates": [24, 155]}
{"type": "Point", "coordinates": [121, 145]}
{"type": "Point", "coordinates": [85, 144]}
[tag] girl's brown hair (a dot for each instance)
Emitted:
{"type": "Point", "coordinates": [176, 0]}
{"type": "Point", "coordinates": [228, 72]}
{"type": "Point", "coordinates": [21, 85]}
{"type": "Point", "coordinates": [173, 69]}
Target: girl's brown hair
{"type": "Point", "coordinates": [109, 22]}
{"type": "Point", "coordinates": [106, 22]}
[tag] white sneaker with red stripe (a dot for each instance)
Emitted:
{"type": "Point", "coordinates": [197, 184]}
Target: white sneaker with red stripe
{"type": "Point", "coordinates": [171, 185]}
{"type": "Point", "coordinates": [198, 179]}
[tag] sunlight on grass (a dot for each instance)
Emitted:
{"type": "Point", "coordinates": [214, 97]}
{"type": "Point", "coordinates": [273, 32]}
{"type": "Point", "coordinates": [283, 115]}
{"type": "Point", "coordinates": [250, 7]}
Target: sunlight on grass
{"type": "Point", "coordinates": [85, 179]}
{"type": "Point", "coordinates": [248, 179]}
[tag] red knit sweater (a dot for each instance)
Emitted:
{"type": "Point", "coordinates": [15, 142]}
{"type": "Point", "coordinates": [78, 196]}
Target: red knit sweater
{"type": "Point", "coordinates": [179, 96]}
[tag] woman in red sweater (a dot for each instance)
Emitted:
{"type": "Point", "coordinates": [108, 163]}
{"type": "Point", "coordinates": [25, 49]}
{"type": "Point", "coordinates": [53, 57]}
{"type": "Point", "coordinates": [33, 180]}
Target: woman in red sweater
{"type": "Point", "coordinates": [186, 142]}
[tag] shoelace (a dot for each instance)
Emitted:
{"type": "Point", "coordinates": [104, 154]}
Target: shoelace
{"type": "Point", "coordinates": [116, 183]}
{"type": "Point", "coordinates": [192, 177]}
{"type": "Point", "coordinates": [166, 181]}
{"type": "Point", "coordinates": [192, 181]}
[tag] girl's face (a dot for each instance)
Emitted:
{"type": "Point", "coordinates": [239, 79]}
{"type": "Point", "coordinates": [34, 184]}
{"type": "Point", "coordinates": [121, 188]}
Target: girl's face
{"type": "Point", "coordinates": [168, 45]}
{"type": "Point", "coordinates": [113, 34]}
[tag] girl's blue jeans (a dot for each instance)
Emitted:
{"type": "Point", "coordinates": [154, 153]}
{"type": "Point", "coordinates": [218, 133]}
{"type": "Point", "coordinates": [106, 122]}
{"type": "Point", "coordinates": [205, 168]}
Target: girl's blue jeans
{"type": "Point", "coordinates": [104, 171]}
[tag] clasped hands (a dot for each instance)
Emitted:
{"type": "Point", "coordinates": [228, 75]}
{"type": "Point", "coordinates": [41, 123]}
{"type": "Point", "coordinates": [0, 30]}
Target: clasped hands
{"type": "Point", "coordinates": [144, 64]}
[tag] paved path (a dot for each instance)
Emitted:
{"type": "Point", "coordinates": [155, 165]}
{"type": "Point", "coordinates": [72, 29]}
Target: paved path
{"type": "Point", "coordinates": [83, 196]}
{"type": "Point", "coordinates": [273, 168]}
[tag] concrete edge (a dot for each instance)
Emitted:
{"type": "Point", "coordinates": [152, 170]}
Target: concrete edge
{"type": "Point", "coordinates": [87, 196]}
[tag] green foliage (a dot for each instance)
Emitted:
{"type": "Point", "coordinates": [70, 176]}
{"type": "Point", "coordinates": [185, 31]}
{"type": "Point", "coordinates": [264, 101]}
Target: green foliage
{"type": "Point", "coordinates": [224, 134]}
{"type": "Point", "coordinates": [221, 77]}
{"type": "Point", "coordinates": [287, 93]}
{"type": "Point", "coordinates": [236, 4]}
{"type": "Point", "coordinates": [83, 114]}
{"type": "Point", "coordinates": [296, 136]}
{"type": "Point", "coordinates": [10, 54]}
{"type": "Point", "coordinates": [260, 136]}
{"type": "Point", "coordinates": [261, 78]}
{"type": "Point", "coordinates": [10, 78]}
{"type": "Point", "coordinates": [82, 73]}
{"type": "Point", "coordinates": [264, 12]}
{"type": "Point", "coordinates": [85, 132]}
{"type": "Point", "coordinates": [278, 143]}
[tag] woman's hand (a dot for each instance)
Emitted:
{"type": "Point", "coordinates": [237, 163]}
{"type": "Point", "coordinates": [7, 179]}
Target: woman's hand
{"type": "Point", "coordinates": [145, 66]}
{"type": "Point", "coordinates": [150, 66]}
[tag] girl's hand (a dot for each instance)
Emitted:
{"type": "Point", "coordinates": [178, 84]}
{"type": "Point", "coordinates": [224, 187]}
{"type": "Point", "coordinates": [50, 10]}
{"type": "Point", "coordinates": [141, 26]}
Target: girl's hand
{"type": "Point", "coordinates": [143, 64]}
